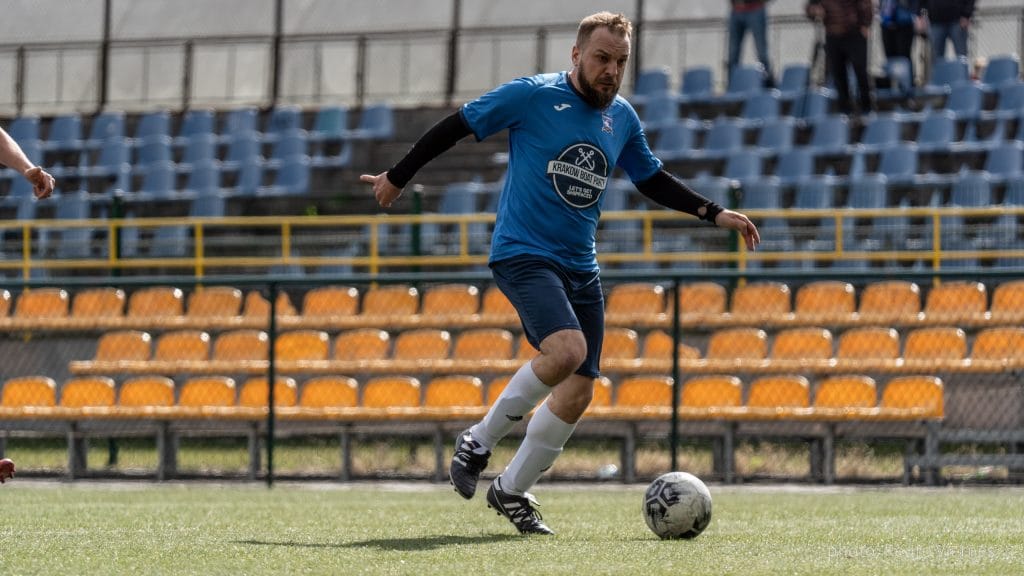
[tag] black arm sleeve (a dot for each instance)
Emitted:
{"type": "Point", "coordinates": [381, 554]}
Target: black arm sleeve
{"type": "Point", "coordinates": [670, 192]}
{"type": "Point", "coordinates": [441, 137]}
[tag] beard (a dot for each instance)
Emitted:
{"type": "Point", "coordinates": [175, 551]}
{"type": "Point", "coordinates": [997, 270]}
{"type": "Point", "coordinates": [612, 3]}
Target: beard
{"type": "Point", "coordinates": [592, 95]}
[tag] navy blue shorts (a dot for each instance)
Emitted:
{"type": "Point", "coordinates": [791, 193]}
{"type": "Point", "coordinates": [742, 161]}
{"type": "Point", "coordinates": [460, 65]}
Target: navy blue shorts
{"type": "Point", "coordinates": [550, 298]}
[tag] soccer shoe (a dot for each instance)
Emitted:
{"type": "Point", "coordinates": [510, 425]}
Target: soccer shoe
{"type": "Point", "coordinates": [521, 511]}
{"type": "Point", "coordinates": [467, 464]}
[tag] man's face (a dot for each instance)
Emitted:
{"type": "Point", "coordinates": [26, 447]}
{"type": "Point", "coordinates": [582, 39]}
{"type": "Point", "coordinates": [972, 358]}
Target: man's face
{"type": "Point", "coordinates": [600, 65]}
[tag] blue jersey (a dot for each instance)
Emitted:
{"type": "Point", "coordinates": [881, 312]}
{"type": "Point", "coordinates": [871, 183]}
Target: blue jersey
{"type": "Point", "coordinates": [561, 155]}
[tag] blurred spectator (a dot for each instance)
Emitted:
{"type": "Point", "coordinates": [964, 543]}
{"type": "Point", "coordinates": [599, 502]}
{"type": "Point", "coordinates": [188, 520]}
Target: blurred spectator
{"type": "Point", "coordinates": [750, 16]}
{"type": "Point", "coordinates": [847, 27]}
{"type": "Point", "coordinates": [948, 20]}
{"type": "Point", "coordinates": [900, 20]}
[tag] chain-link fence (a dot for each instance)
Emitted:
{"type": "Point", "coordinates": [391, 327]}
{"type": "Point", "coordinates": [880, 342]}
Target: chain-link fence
{"type": "Point", "coordinates": [914, 378]}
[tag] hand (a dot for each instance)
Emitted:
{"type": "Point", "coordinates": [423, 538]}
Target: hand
{"type": "Point", "coordinates": [42, 182]}
{"type": "Point", "coordinates": [383, 190]}
{"type": "Point", "coordinates": [865, 31]}
{"type": "Point", "coordinates": [740, 223]}
{"type": "Point", "coordinates": [965, 23]}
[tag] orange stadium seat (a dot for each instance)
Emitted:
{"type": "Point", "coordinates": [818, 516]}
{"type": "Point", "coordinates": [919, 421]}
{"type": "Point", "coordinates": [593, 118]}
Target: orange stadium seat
{"type": "Point", "coordinates": [802, 344]}
{"type": "Point", "coordinates": [451, 300]}
{"type": "Point", "coordinates": [495, 388]}
{"type": "Point", "coordinates": [208, 391]}
{"type": "Point", "coordinates": [714, 391]}
{"type": "Point", "coordinates": [779, 391]}
{"type": "Point", "coordinates": [641, 299]}
{"type": "Point", "coordinates": [255, 392]}
{"type": "Point", "coordinates": [602, 392]}
{"type": "Point", "coordinates": [123, 345]}
{"type": "Point", "coordinates": [825, 300]}
{"type": "Point", "coordinates": [658, 345]}
{"type": "Point", "coordinates": [98, 303]}
{"type": "Point", "coordinates": [330, 392]}
{"type": "Point", "coordinates": [761, 300]}
{"type": "Point", "coordinates": [953, 302]}
{"type": "Point", "coordinates": [147, 391]}
{"type": "Point", "coordinates": [257, 305]}
{"type": "Point", "coordinates": [42, 303]}
{"type": "Point", "coordinates": [936, 342]}
{"type": "Point", "coordinates": [156, 302]}
{"type": "Point", "coordinates": [1008, 301]}
{"type": "Point", "coordinates": [495, 303]}
{"type": "Point", "coordinates": [447, 391]}
{"type": "Point", "coordinates": [391, 391]}
{"type": "Point", "coordinates": [87, 391]}
{"type": "Point", "coordinates": [889, 301]}
{"type": "Point", "coordinates": [398, 300]}
{"type": "Point", "coordinates": [326, 301]}
{"type": "Point", "coordinates": [362, 344]}
{"type": "Point", "coordinates": [738, 343]}
{"type": "Point", "coordinates": [215, 302]}
{"type": "Point", "coordinates": [702, 299]}
{"type": "Point", "coordinates": [852, 391]}
{"type": "Point", "coordinates": [869, 342]}
{"type": "Point", "coordinates": [999, 343]}
{"type": "Point", "coordinates": [29, 391]}
{"type": "Point", "coordinates": [301, 345]}
{"type": "Point", "coordinates": [620, 343]}
{"type": "Point", "coordinates": [5, 303]}
{"type": "Point", "coordinates": [423, 344]}
{"type": "Point", "coordinates": [182, 345]}
{"type": "Point", "coordinates": [484, 344]}
{"type": "Point", "coordinates": [640, 391]}
{"type": "Point", "coordinates": [242, 345]}
{"type": "Point", "coordinates": [924, 392]}
{"type": "Point", "coordinates": [525, 350]}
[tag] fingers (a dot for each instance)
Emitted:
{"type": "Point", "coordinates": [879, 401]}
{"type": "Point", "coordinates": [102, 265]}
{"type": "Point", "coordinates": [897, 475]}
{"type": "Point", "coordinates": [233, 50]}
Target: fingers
{"type": "Point", "coordinates": [42, 182]}
{"type": "Point", "coordinates": [368, 178]}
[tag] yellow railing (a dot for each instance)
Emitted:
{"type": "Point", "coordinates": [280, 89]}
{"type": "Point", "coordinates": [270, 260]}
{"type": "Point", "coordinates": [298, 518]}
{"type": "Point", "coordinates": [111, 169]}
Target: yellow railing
{"type": "Point", "coordinates": [282, 231]}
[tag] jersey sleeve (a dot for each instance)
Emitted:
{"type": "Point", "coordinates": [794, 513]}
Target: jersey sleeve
{"type": "Point", "coordinates": [636, 158]}
{"type": "Point", "coordinates": [498, 109]}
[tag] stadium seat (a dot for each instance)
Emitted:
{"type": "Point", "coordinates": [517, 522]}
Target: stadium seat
{"type": "Point", "coordinates": [208, 203]}
{"type": "Point", "coordinates": [794, 166]}
{"type": "Point", "coordinates": [638, 299]}
{"type": "Point", "coordinates": [330, 392]}
{"type": "Point", "coordinates": [484, 344]}
{"type": "Point", "coordinates": [123, 345]}
{"type": "Point", "coordinates": [999, 343]}
{"type": "Point", "coordinates": [215, 302]}
{"type": "Point", "coordinates": [26, 391]}
{"type": "Point", "coordinates": [525, 350]}
{"type": "Point", "coordinates": [697, 85]}
{"type": "Point", "coordinates": [602, 395]}
{"type": "Point", "coordinates": [723, 139]}
{"type": "Point", "coordinates": [658, 346]}
{"type": "Point", "coordinates": [200, 391]}
{"type": "Point", "coordinates": [738, 343]}
{"type": "Point", "coordinates": [848, 391]}
{"type": "Point", "coordinates": [451, 300]}
{"type": "Point", "coordinates": [702, 299]}
{"type": "Point", "coordinates": [806, 343]}
{"type": "Point", "coordinates": [779, 391]}
{"type": "Point", "coordinates": [423, 344]}
{"type": "Point", "coordinates": [810, 106]}
{"type": "Point", "coordinates": [881, 132]}
{"type": "Point", "coordinates": [241, 346]}
{"type": "Point", "coordinates": [195, 122]}
{"type": "Point", "coordinates": [327, 301]}
{"type": "Point", "coordinates": [620, 344]}
{"type": "Point", "coordinates": [760, 300]}
{"type": "Point", "coordinates": [257, 305]}
{"type": "Point", "coordinates": [745, 167]}
{"type": "Point", "coordinates": [108, 125]}
{"type": "Point", "coordinates": [112, 169]}
{"type": "Point", "coordinates": [5, 302]}
{"type": "Point", "coordinates": [676, 141]}
{"type": "Point", "coordinates": [298, 345]}
{"type": "Point", "coordinates": [745, 81]}
{"type": "Point", "coordinates": [899, 73]}
{"type": "Point", "coordinates": [830, 136]}
{"type": "Point", "coordinates": [648, 82]}
{"type": "Point", "coordinates": [65, 136]}
{"type": "Point", "coordinates": [869, 342]}
{"type": "Point", "coordinates": [255, 392]}
{"type": "Point", "coordinates": [775, 136]}
{"type": "Point", "coordinates": [362, 344]}
{"type": "Point", "coordinates": [98, 303]}
{"type": "Point", "coordinates": [935, 343]}
{"type": "Point", "coordinates": [179, 345]}
{"type": "Point", "coordinates": [239, 121]}
{"type": "Point", "coordinates": [24, 128]}
{"type": "Point", "coordinates": [793, 81]}
{"type": "Point", "coordinates": [391, 392]}
{"type": "Point", "coordinates": [889, 301]}
{"type": "Point", "coordinates": [945, 73]}
{"type": "Point", "coordinates": [42, 303]}
{"type": "Point", "coordinates": [330, 124]}
{"type": "Point", "coordinates": [956, 301]}
{"type": "Point", "coordinates": [449, 391]}
{"type": "Point", "coordinates": [760, 108]}
{"type": "Point", "coordinates": [1009, 103]}
{"type": "Point", "coordinates": [284, 118]}
{"type": "Point", "coordinates": [964, 101]}
{"type": "Point", "coordinates": [198, 149]}
{"type": "Point", "coordinates": [375, 123]}
{"type": "Point", "coordinates": [1008, 301]}
{"type": "Point", "coordinates": [87, 391]}
{"type": "Point", "coordinates": [825, 301]}
{"type": "Point", "coordinates": [714, 391]}
{"type": "Point", "coordinates": [291, 178]}
{"type": "Point", "coordinates": [495, 388]}
{"type": "Point", "coordinates": [156, 302]}
{"type": "Point", "coordinates": [1001, 70]}
{"type": "Point", "coordinates": [397, 300]}
{"type": "Point", "coordinates": [147, 391]}
{"type": "Point", "coordinates": [660, 111]}
{"type": "Point", "coordinates": [921, 392]}
{"type": "Point", "coordinates": [644, 391]}
{"type": "Point", "coordinates": [1005, 161]}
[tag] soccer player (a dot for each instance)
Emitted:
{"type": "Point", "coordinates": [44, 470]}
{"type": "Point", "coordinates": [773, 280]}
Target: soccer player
{"type": "Point", "coordinates": [12, 156]}
{"type": "Point", "coordinates": [567, 132]}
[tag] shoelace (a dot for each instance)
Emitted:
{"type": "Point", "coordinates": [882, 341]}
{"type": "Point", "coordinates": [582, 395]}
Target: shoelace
{"type": "Point", "coordinates": [527, 511]}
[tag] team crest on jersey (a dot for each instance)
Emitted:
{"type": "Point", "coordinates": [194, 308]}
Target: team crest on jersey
{"type": "Point", "coordinates": [606, 124]}
{"type": "Point", "coordinates": [579, 174]}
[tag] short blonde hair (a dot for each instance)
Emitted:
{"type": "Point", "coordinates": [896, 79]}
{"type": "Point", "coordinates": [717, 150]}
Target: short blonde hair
{"type": "Point", "coordinates": [616, 23]}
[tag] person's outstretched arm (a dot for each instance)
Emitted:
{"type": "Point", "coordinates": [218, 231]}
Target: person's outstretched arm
{"type": "Point", "coordinates": [671, 192]}
{"type": "Point", "coordinates": [12, 156]}
{"type": "Point", "coordinates": [387, 186]}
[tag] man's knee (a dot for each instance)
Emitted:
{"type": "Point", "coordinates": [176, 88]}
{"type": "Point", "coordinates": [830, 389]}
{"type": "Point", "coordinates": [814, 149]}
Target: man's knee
{"type": "Point", "coordinates": [565, 350]}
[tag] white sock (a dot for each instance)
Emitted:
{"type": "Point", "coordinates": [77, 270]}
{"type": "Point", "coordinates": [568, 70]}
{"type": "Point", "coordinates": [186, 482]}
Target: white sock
{"type": "Point", "coordinates": [545, 436]}
{"type": "Point", "coordinates": [522, 394]}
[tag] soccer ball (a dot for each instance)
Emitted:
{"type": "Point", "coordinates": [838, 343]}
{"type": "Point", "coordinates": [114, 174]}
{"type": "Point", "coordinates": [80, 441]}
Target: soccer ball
{"type": "Point", "coordinates": [677, 505]}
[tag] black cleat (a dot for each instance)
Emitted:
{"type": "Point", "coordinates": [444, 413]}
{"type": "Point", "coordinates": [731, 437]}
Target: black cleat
{"type": "Point", "coordinates": [521, 511]}
{"type": "Point", "coordinates": [467, 464]}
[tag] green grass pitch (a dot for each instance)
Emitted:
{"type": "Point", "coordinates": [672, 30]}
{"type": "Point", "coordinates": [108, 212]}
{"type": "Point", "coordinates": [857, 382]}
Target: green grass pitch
{"type": "Point", "coordinates": [421, 528]}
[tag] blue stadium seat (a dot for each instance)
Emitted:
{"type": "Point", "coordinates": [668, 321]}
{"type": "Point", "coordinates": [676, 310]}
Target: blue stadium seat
{"type": "Point", "coordinates": [248, 177]}
{"type": "Point", "coordinates": [718, 189]}
{"type": "Point", "coordinates": [203, 177]}
{"type": "Point", "coordinates": [349, 251]}
{"type": "Point", "coordinates": [661, 110]}
{"type": "Point", "coordinates": [284, 119]}
{"type": "Point", "coordinates": [810, 106]}
{"type": "Point", "coordinates": [376, 123]}
{"type": "Point", "coordinates": [723, 139]}
{"type": "Point", "coordinates": [74, 242]}
{"type": "Point", "coordinates": [676, 140]}
{"type": "Point", "coordinates": [697, 86]}
{"type": "Point", "coordinates": [760, 108]}
{"type": "Point", "coordinates": [946, 73]}
{"type": "Point", "coordinates": [154, 148]}
{"type": "Point", "coordinates": [868, 191]}
{"type": "Point", "coordinates": [830, 136]}
{"type": "Point", "coordinates": [208, 203]}
{"type": "Point", "coordinates": [288, 145]}
{"type": "Point", "coordinates": [112, 167]}
{"type": "Point", "coordinates": [936, 132]}
{"type": "Point", "coordinates": [649, 82]}
{"type": "Point", "coordinates": [764, 193]}
{"type": "Point", "coordinates": [1005, 161]}
{"type": "Point", "coordinates": [776, 136]}
{"type": "Point", "coordinates": [793, 81]}
{"type": "Point", "coordinates": [970, 189]}
{"type": "Point", "coordinates": [460, 198]}
{"type": "Point", "coordinates": [24, 128]}
{"type": "Point", "coordinates": [157, 123]}
{"type": "Point", "coordinates": [1014, 195]}
{"type": "Point", "coordinates": [170, 242]}
{"type": "Point", "coordinates": [291, 179]}
{"type": "Point", "coordinates": [1009, 103]}
{"type": "Point", "coordinates": [1001, 70]}
{"type": "Point", "coordinates": [239, 120]}
{"type": "Point", "coordinates": [158, 182]}
{"type": "Point", "coordinates": [899, 163]}
{"type": "Point", "coordinates": [199, 148]}
{"type": "Point", "coordinates": [744, 82]}
{"type": "Point", "coordinates": [195, 122]}
{"type": "Point", "coordinates": [743, 167]}
{"type": "Point", "coordinates": [243, 147]}
{"type": "Point", "coordinates": [105, 126]}
{"type": "Point", "coordinates": [794, 166]}
{"type": "Point", "coordinates": [330, 123]}
{"type": "Point", "coordinates": [881, 132]}
{"type": "Point", "coordinates": [964, 100]}
{"type": "Point", "coordinates": [65, 138]}
{"type": "Point", "coordinates": [898, 71]}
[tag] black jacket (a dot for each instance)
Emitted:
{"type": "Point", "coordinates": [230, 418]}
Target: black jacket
{"type": "Point", "coordinates": [948, 10]}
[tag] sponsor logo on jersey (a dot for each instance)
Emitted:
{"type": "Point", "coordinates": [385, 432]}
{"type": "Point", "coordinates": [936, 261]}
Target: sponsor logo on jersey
{"type": "Point", "coordinates": [579, 174]}
{"type": "Point", "coordinates": [562, 106]}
